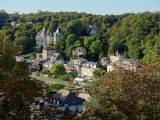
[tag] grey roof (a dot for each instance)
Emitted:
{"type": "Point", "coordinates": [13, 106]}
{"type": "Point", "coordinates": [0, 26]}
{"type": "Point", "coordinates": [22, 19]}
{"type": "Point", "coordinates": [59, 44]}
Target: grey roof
{"type": "Point", "coordinates": [70, 64]}
{"type": "Point", "coordinates": [92, 63]}
{"type": "Point", "coordinates": [68, 97]}
{"type": "Point", "coordinates": [58, 62]}
{"type": "Point", "coordinates": [56, 54]}
{"type": "Point", "coordinates": [59, 30]}
{"type": "Point", "coordinates": [43, 61]}
{"type": "Point", "coordinates": [82, 60]}
{"type": "Point", "coordinates": [61, 94]}
{"type": "Point", "coordinates": [54, 62]}
{"type": "Point", "coordinates": [50, 61]}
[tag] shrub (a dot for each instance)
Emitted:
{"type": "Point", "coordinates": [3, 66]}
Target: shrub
{"type": "Point", "coordinates": [26, 56]}
{"type": "Point", "coordinates": [37, 73]}
{"type": "Point", "coordinates": [67, 77]}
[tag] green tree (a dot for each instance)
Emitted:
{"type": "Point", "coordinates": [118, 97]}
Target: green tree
{"type": "Point", "coordinates": [99, 72]}
{"type": "Point", "coordinates": [58, 69]}
{"type": "Point", "coordinates": [78, 43]}
{"type": "Point", "coordinates": [70, 40]}
{"type": "Point", "coordinates": [95, 47]}
{"type": "Point", "coordinates": [88, 41]}
{"type": "Point", "coordinates": [26, 44]}
{"type": "Point", "coordinates": [151, 51]}
{"type": "Point", "coordinates": [60, 45]}
{"type": "Point", "coordinates": [38, 26]}
{"type": "Point", "coordinates": [74, 27]}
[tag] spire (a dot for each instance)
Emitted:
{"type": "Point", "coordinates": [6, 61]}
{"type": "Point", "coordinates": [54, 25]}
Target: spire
{"type": "Point", "coordinates": [59, 30]}
{"type": "Point", "coordinates": [59, 24]}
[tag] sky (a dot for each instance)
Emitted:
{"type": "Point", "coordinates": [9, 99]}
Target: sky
{"type": "Point", "coordinates": [99, 7]}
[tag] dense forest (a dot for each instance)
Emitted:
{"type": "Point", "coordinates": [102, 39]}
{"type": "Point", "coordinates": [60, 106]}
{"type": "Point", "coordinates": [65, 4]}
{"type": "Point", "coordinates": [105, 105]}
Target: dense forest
{"type": "Point", "coordinates": [135, 36]}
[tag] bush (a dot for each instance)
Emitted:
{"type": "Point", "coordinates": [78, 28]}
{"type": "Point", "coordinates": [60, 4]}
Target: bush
{"type": "Point", "coordinates": [37, 73]}
{"type": "Point", "coordinates": [55, 76]}
{"type": "Point", "coordinates": [67, 77]}
{"type": "Point", "coordinates": [55, 87]}
{"type": "Point", "coordinates": [73, 89]}
{"type": "Point", "coordinates": [27, 56]}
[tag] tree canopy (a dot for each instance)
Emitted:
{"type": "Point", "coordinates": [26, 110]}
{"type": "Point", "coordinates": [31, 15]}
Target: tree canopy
{"type": "Point", "coordinates": [128, 33]}
{"type": "Point", "coordinates": [18, 90]}
{"type": "Point", "coordinates": [125, 94]}
{"type": "Point", "coordinates": [58, 69]}
{"type": "Point", "coordinates": [19, 93]}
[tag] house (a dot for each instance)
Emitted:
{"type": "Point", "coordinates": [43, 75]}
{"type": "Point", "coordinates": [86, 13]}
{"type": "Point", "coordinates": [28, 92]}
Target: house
{"type": "Point", "coordinates": [38, 64]}
{"type": "Point", "coordinates": [79, 51]}
{"type": "Point", "coordinates": [130, 64]}
{"type": "Point", "coordinates": [47, 37]}
{"type": "Point", "coordinates": [13, 23]}
{"type": "Point", "coordinates": [83, 94]}
{"type": "Point", "coordinates": [56, 56]}
{"type": "Point", "coordinates": [70, 68]}
{"type": "Point", "coordinates": [49, 53]}
{"type": "Point", "coordinates": [74, 66]}
{"type": "Point", "coordinates": [93, 30]}
{"type": "Point", "coordinates": [116, 60]}
{"type": "Point", "coordinates": [46, 54]}
{"type": "Point", "coordinates": [47, 65]}
{"type": "Point", "coordinates": [79, 61]}
{"type": "Point", "coordinates": [68, 101]}
{"type": "Point", "coordinates": [88, 68]}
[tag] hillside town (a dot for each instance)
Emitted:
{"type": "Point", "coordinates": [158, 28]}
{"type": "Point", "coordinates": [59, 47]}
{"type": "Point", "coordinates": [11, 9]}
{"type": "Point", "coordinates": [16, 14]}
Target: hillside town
{"type": "Point", "coordinates": [79, 66]}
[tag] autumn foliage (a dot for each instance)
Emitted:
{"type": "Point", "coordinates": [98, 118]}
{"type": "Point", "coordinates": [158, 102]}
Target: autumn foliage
{"type": "Point", "coordinates": [126, 95]}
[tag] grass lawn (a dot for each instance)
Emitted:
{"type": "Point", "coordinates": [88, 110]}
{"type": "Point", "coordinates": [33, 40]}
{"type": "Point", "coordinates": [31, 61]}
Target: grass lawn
{"type": "Point", "coordinates": [50, 80]}
{"type": "Point", "coordinates": [55, 83]}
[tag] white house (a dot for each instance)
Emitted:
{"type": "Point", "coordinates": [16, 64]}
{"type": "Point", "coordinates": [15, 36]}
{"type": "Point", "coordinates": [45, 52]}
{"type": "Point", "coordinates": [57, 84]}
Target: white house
{"type": "Point", "coordinates": [88, 68]}
{"type": "Point", "coordinates": [93, 30]}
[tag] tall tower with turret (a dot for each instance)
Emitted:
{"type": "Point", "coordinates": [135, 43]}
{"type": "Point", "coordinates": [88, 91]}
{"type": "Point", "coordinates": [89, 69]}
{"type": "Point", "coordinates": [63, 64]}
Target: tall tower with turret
{"type": "Point", "coordinates": [58, 33]}
{"type": "Point", "coordinates": [47, 37]}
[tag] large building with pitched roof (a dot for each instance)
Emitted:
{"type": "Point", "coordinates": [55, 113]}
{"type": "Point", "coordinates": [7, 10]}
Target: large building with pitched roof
{"type": "Point", "coordinates": [46, 37]}
{"type": "Point", "coordinates": [68, 101]}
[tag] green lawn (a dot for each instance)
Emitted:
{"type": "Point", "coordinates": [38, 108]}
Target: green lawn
{"type": "Point", "coordinates": [50, 80]}
{"type": "Point", "coordinates": [55, 83]}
